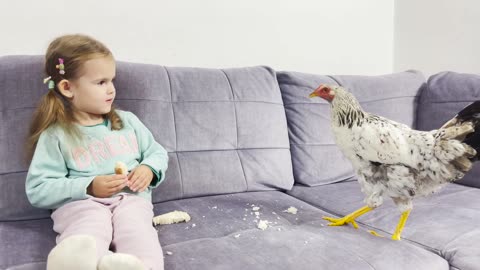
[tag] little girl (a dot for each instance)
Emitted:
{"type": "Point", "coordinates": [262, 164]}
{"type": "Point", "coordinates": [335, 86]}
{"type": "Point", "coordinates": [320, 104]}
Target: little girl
{"type": "Point", "coordinates": [75, 140]}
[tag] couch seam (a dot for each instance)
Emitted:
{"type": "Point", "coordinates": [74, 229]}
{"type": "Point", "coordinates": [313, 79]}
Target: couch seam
{"type": "Point", "coordinates": [27, 219]}
{"type": "Point", "coordinates": [172, 102]}
{"type": "Point", "coordinates": [314, 144]}
{"type": "Point", "coordinates": [175, 130]}
{"type": "Point", "coordinates": [185, 151]}
{"type": "Point", "coordinates": [236, 128]}
{"type": "Point", "coordinates": [334, 79]}
{"type": "Point", "coordinates": [27, 263]}
{"type": "Point", "coordinates": [446, 101]}
{"type": "Point", "coordinates": [198, 101]}
{"type": "Point", "coordinates": [361, 102]}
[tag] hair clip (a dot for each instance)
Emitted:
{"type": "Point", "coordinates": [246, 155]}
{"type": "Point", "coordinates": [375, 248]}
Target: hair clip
{"type": "Point", "coordinates": [61, 66]}
{"type": "Point", "coordinates": [51, 84]}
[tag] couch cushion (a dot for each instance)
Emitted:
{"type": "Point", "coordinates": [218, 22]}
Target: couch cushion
{"type": "Point", "coordinates": [29, 266]}
{"type": "Point", "coordinates": [392, 96]}
{"type": "Point", "coordinates": [445, 223]}
{"type": "Point", "coordinates": [222, 234]}
{"type": "Point", "coordinates": [25, 244]}
{"type": "Point", "coordinates": [225, 130]}
{"type": "Point", "coordinates": [445, 95]}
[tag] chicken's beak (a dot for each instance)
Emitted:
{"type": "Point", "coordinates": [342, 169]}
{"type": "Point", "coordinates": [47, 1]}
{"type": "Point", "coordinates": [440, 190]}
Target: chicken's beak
{"type": "Point", "coordinates": [313, 94]}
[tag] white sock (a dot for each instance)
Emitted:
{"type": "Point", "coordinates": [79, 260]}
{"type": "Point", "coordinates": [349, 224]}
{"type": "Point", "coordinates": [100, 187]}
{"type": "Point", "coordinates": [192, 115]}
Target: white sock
{"type": "Point", "coordinates": [77, 252]}
{"type": "Point", "coordinates": [120, 261]}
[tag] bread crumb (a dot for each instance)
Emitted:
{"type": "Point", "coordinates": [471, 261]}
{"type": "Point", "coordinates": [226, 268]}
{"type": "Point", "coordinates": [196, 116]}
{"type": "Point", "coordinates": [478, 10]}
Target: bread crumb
{"type": "Point", "coordinates": [291, 210]}
{"type": "Point", "coordinates": [169, 253]}
{"type": "Point", "coordinates": [236, 235]}
{"type": "Point", "coordinates": [256, 208]}
{"type": "Point", "coordinates": [263, 225]}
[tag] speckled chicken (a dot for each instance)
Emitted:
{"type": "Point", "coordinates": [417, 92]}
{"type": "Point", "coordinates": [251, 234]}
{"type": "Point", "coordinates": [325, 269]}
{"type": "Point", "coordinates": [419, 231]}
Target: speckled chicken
{"type": "Point", "coordinates": [393, 160]}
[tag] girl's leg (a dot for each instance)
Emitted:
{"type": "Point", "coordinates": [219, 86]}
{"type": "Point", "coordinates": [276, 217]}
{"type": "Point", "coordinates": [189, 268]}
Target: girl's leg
{"type": "Point", "coordinates": [89, 217]}
{"type": "Point", "coordinates": [133, 232]}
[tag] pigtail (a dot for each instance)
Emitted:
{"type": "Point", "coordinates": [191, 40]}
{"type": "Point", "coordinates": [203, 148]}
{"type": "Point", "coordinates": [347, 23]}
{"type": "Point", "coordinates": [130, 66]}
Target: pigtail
{"type": "Point", "coordinates": [115, 119]}
{"type": "Point", "coordinates": [50, 111]}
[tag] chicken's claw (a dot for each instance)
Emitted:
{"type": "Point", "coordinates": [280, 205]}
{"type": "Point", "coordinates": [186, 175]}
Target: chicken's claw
{"type": "Point", "coordinates": [341, 221]}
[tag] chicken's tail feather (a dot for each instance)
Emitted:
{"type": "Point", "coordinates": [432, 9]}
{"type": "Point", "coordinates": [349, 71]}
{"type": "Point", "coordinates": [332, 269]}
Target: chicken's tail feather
{"type": "Point", "coordinates": [465, 127]}
{"type": "Point", "coordinates": [471, 113]}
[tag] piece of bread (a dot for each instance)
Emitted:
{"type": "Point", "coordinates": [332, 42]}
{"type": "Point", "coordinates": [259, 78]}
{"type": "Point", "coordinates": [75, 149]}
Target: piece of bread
{"type": "Point", "coordinates": [171, 217]}
{"type": "Point", "coordinates": [121, 168]}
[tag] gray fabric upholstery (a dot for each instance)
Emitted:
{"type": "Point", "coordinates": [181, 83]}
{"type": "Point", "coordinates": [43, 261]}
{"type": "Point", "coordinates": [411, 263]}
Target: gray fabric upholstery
{"type": "Point", "coordinates": [445, 95]}
{"type": "Point", "coordinates": [315, 157]}
{"type": "Point", "coordinates": [225, 130]}
{"type": "Point", "coordinates": [25, 242]}
{"type": "Point", "coordinates": [300, 241]}
{"type": "Point", "coordinates": [20, 89]}
{"type": "Point", "coordinates": [445, 223]}
{"type": "Point", "coordinates": [29, 266]}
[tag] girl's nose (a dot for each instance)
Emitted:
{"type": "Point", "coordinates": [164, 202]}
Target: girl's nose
{"type": "Point", "coordinates": [111, 89]}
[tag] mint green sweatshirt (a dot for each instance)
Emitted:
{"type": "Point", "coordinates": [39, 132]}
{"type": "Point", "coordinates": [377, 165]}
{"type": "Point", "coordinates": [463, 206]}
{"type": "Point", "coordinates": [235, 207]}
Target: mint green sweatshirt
{"type": "Point", "coordinates": [62, 169]}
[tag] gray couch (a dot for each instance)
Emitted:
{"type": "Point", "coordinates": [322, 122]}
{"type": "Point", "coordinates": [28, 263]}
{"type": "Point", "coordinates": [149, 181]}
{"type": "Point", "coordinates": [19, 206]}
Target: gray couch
{"type": "Point", "coordinates": [245, 137]}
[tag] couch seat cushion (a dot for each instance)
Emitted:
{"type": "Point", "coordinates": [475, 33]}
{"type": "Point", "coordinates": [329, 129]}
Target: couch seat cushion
{"type": "Point", "coordinates": [25, 244]}
{"type": "Point", "coordinates": [445, 223]}
{"type": "Point", "coordinates": [225, 236]}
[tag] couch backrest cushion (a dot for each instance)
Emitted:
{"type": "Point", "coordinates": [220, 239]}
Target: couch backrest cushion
{"type": "Point", "coordinates": [315, 157]}
{"type": "Point", "coordinates": [225, 130]}
{"type": "Point", "coordinates": [445, 95]}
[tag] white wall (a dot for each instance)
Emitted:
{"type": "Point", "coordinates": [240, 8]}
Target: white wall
{"type": "Point", "coordinates": [437, 35]}
{"type": "Point", "coordinates": [316, 36]}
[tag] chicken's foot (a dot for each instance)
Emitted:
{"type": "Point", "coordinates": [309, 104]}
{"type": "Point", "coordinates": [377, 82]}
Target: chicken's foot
{"type": "Point", "coordinates": [350, 218]}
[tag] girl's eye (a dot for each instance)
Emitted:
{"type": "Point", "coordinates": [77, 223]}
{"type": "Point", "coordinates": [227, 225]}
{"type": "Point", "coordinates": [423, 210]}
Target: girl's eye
{"type": "Point", "coordinates": [101, 83]}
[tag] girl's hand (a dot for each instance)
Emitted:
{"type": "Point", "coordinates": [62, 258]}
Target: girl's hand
{"type": "Point", "coordinates": [104, 186]}
{"type": "Point", "coordinates": [139, 178]}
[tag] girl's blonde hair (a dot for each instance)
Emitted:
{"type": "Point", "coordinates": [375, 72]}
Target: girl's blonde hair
{"type": "Point", "coordinates": [54, 108]}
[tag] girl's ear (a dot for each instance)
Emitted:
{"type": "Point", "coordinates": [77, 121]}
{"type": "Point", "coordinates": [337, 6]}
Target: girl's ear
{"type": "Point", "coordinates": [64, 86]}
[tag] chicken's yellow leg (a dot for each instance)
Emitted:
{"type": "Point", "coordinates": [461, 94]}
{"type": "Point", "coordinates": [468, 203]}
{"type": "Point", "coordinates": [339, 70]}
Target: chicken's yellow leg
{"type": "Point", "coordinates": [350, 218]}
{"type": "Point", "coordinates": [400, 225]}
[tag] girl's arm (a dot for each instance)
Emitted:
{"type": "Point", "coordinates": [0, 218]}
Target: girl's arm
{"type": "Point", "coordinates": [152, 153]}
{"type": "Point", "coordinates": [47, 184]}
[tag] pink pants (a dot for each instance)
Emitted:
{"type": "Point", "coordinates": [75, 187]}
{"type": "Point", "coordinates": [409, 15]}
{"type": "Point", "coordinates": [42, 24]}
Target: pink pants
{"type": "Point", "coordinates": [122, 224]}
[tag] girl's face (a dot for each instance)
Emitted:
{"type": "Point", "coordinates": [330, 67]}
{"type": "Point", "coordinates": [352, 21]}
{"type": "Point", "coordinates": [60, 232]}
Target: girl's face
{"type": "Point", "coordinates": [94, 92]}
